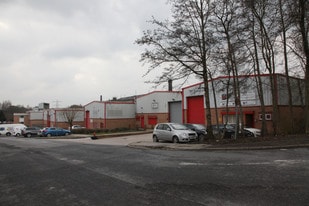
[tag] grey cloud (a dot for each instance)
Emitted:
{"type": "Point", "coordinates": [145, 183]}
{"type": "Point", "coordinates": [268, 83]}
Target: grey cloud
{"type": "Point", "coordinates": [50, 42]}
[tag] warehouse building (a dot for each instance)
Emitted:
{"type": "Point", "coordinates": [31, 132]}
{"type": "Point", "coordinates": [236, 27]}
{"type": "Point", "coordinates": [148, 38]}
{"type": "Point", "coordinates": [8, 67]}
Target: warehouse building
{"type": "Point", "coordinates": [223, 99]}
{"type": "Point", "coordinates": [110, 114]}
{"type": "Point", "coordinates": [186, 106]}
{"type": "Point", "coordinates": [158, 106]}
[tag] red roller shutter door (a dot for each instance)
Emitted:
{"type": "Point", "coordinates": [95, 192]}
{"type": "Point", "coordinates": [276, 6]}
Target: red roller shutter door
{"type": "Point", "coordinates": [196, 112]}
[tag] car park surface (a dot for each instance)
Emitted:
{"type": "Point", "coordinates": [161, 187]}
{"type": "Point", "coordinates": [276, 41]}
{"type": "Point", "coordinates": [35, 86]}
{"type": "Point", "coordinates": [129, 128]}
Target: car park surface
{"type": "Point", "coordinates": [69, 172]}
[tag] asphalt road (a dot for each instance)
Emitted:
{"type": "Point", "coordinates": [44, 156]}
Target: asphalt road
{"type": "Point", "coordinates": [83, 172]}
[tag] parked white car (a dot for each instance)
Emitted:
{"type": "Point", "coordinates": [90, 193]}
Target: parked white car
{"type": "Point", "coordinates": [255, 131]}
{"type": "Point", "coordinates": [77, 127]}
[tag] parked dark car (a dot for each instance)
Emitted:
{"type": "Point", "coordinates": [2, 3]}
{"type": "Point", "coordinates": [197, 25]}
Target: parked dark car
{"type": "Point", "coordinates": [31, 131]}
{"type": "Point", "coordinates": [53, 131]}
{"type": "Point", "coordinates": [229, 131]}
{"type": "Point", "coordinates": [199, 129]}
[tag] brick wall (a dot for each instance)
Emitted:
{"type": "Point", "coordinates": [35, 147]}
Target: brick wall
{"type": "Point", "coordinates": [149, 119]}
{"type": "Point", "coordinates": [112, 123]}
{"type": "Point", "coordinates": [287, 123]}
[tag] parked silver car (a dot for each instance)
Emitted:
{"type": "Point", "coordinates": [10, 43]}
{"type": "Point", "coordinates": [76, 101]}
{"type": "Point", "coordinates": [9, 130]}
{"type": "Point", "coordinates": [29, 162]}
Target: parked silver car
{"type": "Point", "coordinates": [173, 132]}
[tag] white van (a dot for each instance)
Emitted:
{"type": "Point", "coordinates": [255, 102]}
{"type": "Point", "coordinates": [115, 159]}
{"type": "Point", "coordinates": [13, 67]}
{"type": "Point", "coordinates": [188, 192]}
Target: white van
{"type": "Point", "coordinates": [11, 129]}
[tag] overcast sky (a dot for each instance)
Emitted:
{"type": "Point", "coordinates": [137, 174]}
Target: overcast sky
{"type": "Point", "coordinates": [73, 51]}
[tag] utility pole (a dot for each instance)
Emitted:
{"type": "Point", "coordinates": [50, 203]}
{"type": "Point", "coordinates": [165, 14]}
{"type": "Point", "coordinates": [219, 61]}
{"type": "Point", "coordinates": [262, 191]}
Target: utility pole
{"type": "Point", "coordinates": [57, 103]}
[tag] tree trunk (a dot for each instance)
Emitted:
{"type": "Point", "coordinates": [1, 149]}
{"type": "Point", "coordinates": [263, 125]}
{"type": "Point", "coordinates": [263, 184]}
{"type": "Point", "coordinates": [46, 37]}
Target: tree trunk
{"type": "Point", "coordinates": [215, 98]}
{"type": "Point", "coordinates": [303, 5]}
{"type": "Point", "coordinates": [268, 57]}
{"type": "Point", "coordinates": [260, 90]}
{"type": "Point", "coordinates": [286, 66]}
{"type": "Point", "coordinates": [208, 111]}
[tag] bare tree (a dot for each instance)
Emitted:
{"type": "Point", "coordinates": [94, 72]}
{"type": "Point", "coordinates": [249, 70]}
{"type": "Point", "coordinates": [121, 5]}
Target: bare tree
{"type": "Point", "coordinates": [2, 117]}
{"type": "Point", "coordinates": [231, 28]}
{"type": "Point", "coordinates": [301, 21]}
{"type": "Point", "coordinates": [71, 114]}
{"type": "Point", "coordinates": [266, 15]}
{"type": "Point", "coordinates": [181, 46]}
{"type": "Point", "coordinates": [254, 60]}
{"type": "Point", "coordinates": [284, 24]}
{"type": "Point", "coordinates": [5, 104]}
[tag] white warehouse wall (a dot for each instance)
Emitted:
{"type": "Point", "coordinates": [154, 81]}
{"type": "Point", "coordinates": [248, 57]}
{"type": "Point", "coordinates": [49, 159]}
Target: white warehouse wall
{"type": "Point", "coordinates": [119, 111]}
{"type": "Point", "coordinates": [156, 102]}
{"type": "Point", "coordinates": [96, 109]}
{"type": "Point", "coordinates": [114, 110]}
{"type": "Point", "coordinates": [36, 115]}
{"type": "Point", "coordinates": [249, 93]}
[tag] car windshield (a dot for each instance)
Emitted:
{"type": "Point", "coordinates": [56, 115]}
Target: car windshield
{"type": "Point", "coordinates": [199, 126]}
{"type": "Point", "coordinates": [178, 127]}
{"type": "Point", "coordinates": [221, 126]}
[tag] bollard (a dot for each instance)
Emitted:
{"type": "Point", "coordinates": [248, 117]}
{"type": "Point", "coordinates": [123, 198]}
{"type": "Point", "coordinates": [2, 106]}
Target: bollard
{"type": "Point", "coordinates": [94, 136]}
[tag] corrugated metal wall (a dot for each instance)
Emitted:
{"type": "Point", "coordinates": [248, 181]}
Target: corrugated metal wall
{"type": "Point", "coordinates": [175, 112]}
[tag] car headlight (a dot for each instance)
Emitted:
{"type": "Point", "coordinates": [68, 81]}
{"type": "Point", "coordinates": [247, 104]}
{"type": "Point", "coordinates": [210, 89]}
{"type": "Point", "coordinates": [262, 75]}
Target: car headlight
{"type": "Point", "coordinates": [184, 134]}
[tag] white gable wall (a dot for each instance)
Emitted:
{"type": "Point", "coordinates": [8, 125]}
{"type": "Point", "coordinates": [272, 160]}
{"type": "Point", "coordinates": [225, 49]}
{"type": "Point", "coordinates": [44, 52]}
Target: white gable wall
{"type": "Point", "coordinates": [96, 109]}
{"type": "Point", "coordinates": [156, 102]}
{"type": "Point", "coordinates": [249, 94]}
{"type": "Point", "coordinates": [118, 110]}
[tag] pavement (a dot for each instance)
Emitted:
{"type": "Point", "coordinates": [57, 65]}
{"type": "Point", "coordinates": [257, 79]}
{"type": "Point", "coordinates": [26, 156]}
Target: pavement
{"type": "Point", "coordinates": [143, 140]}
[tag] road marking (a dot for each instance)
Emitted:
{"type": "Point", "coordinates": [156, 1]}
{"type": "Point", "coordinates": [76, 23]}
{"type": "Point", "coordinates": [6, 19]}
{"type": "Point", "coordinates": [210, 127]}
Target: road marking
{"type": "Point", "coordinates": [275, 162]}
{"type": "Point", "coordinates": [72, 161]}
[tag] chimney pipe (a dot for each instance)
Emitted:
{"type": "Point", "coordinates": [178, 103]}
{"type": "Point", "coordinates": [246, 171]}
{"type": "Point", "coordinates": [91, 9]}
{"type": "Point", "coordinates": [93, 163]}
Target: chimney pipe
{"type": "Point", "coordinates": [101, 98]}
{"type": "Point", "coordinates": [170, 85]}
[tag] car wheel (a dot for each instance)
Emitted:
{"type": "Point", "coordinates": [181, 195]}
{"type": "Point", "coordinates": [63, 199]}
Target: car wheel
{"type": "Point", "coordinates": [8, 134]}
{"type": "Point", "coordinates": [250, 134]}
{"type": "Point", "coordinates": [201, 138]}
{"type": "Point", "coordinates": [175, 139]}
{"type": "Point", "coordinates": [155, 138]}
{"type": "Point", "coordinates": [66, 134]}
{"type": "Point", "coordinates": [17, 135]}
{"type": "Point", "coordinates": [48, 135]}
{"type": "Point", "coordinates": [29, 135]}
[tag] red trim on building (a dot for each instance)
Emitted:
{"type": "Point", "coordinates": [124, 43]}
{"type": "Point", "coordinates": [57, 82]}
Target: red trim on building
{"type": "Point", "coordinates": [104, 115]}
{"type": "Point", "coordinates": [183, 107]}
{"type": "Point", "coordinates": [87, 119]}
{"type": "Point", "coordinates": [153, 92]}
{"type": "Point", "coordinates": [111, 102]}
